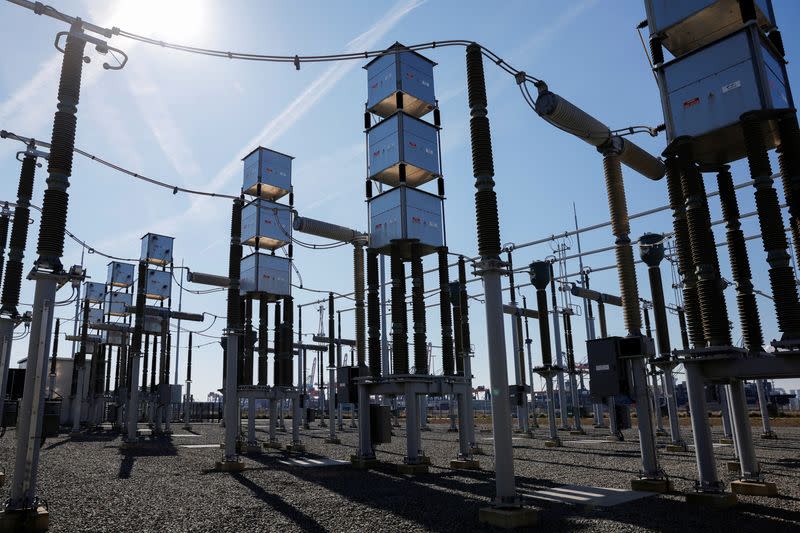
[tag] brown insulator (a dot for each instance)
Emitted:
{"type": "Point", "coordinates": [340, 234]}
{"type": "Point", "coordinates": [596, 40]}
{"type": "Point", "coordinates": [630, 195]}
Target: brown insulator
{"type": "Point", "coordinates": [445, 313]}
{"type": "Point", "coordinates": [153, 365]}
{"type": "Point", "coordinates": [358, 288]}
{"type": "Point", "coordinates": [789, 162]}
{"type": "Point", "coordinates": [4, 220]}
{"type": "Point", "coordinates": [620, 227]}
{"type": "Point", "coordinates": [248, 341]}
{"type": "Point", "coordinates": [684, 332]}
{"type": "Point", "coordinates": [418, 311]}
{"type": "Point", "coordinates": [373, 314]}
{"type": "Point", "coordinates": [749, 319]}
{"type": "Point", "coordinates": [55, 348]}
{"type": "Point", "coordinates": [399, 320]}
{"type": "Point", "coordinates": [781, 277]}
{"type": "Point", "coordinates": [487, 219]}
{"type": "Point", "coordinates": [713, 311]}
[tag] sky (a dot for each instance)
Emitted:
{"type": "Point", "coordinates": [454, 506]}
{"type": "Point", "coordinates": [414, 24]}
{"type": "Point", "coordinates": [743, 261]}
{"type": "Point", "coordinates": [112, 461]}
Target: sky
{"type": "Point", "coordinates": [189, 119]}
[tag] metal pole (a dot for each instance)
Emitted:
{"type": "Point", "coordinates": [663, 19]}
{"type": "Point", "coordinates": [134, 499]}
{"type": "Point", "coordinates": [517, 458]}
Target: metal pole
{"type": "Point", "coordinates": [762, 405]}
{"type": "Point", "coordinates": [750, 469]}
{"type": "Point", "coordinates": [178, 334]}
{"type": "Point", "coordinates": [704, 448]}
{"type": "Point", "coordinates": [412, 426]}
{"type": "Point", "coordinates": [562, 393]}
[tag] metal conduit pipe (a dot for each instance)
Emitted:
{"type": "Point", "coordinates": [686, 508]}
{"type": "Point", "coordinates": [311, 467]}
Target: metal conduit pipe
{"type": "Point", "coordinates": [327, 230]}
{"type": "Point", "coordinates": [358, 289]}
{"type": "Point", "coordinates": [570, 118]}
{"type": "Point", "coordinates": [686, 267]}
{"type": "Point", "coordinates": [781, 276]}
{"type": "Point", "coordinates": [373, 315]}
{"type": "Point", "coordinates": [651, 250]}
{"type": "Point", "coordinates": [418, 313]}
{"type": "Point", "coordinates": [620, 226]}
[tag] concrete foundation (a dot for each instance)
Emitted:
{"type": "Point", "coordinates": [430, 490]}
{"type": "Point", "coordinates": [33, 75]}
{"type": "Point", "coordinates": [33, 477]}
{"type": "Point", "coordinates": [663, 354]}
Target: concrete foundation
{"type": "Point", "coordinates": [295, 448]}
{"type": "Point", "coordinates": [27, 520]}
{"type": "Point", "coordinates": [577, 432]}
{"type": "Point", "coordinates": [718, 500]}
{"type": "Point", "coordinates": [754, 488]}
{"type": "Point", "coordinates": [412, 469]}
{"type": "Point", "coordinates": [769, 435]}
{"type": "Point", "coordinates": [552, 444]}
{"type": "Point", "coordinates": [229, 466]}
{"type": "Point", "coordinates": [508, 518]}
{"type": "Point", "coordinates": [733, 466]}
{"type": "Point", "coordinates": [613, 438]}
{"type": "Point", "coordinates": [273, 445]}
{"type": "Point", "coordinates": [661, 486]}
{"type": "Point", "coordinates": [362, 464]}
{"type": "Point", "coordinates": [675, 447]}
{"type": "Point", "coordinates": [252, 448]}
{"type": "Point", "coordinates": [333, 441]}
{"type": "Point", "coordinates": [725, 440]}
{"type": "Point", "coordinates": [465, 464]}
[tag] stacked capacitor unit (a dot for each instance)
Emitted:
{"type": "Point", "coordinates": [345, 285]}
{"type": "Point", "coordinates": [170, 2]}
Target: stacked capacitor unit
{"type": "Point", "coordinates": [119, 299]}
{"type": "Point", "coordinates": [265, 276]}
{"type": "Point", "coordinates": [728, 61]}
{"type": "Point", "coordinates": [403, 153]}
{"type": "Point", "coordinates": [405, 222]}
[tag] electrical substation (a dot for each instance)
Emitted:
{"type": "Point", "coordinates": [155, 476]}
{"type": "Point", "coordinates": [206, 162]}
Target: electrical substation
{"type": "Point", "coordinates": [434, 382]}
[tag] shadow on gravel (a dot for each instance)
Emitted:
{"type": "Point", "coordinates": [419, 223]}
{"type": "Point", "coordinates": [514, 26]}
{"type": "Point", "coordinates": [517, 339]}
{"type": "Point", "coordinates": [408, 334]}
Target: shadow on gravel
{"type": "Point", "coordinates": [155, 447]}
{"type": "Point", "coordinates": [57, 444]}
{"type": "Point", "coordinates": [576, 465]}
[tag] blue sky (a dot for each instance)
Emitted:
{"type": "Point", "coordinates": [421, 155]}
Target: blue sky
{"type": "Point", "coordinates": [188, 120]}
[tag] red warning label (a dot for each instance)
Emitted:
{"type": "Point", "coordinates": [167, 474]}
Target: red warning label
{"type": "Point", "coordinates": [691, 102]}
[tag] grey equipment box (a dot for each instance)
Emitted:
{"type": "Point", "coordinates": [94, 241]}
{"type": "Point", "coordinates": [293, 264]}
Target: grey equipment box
{"type": "Point", "coordinates": [404, 214]}
{"type": "Point", "coordinates": [156, 249]}
{"type": "Point", "coordinates": [705, 93]}
{"type": "Point", "coordinates": [120, 274]}
{"type": "Point", "coordinates": [94, 292]}
{"type": "Point", "coordinates": [159, 284]}
{"type": "Point", "coordinates": [608, 373]}
{"type": "Point", "coordinates": [117, 303]}
{"type": "Point", "coordinates": [403, 72]}
{"type": "Point", "coordinates": [517, 394]}
{"type": "Point", "coordinates": [268, 171]}
{"type": "Point", "coordinates": [380, 424]}
{"type": "Point", "coordinates": [403, 140]}
{"type": "Point", "coordinates": [347, 388]}
{"type": "Point", "coordinates": [266, 274]}
{"type": "Point", "coordinates": [266, 223]}
{"type": "Point", "coordinates": [686, 25]}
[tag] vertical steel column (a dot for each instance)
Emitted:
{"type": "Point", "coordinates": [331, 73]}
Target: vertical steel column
{"type": "Point", "coordinates": [618, 209]}
{"type": "Point", "coordinates": [490, 268]}
{"type": "Point", "coordinates": [518, 349]}
{"type": "Point", "coordinates": [365, 450]}
{"type": "Point", "coordinates": [725, 414]}
{"type": "Point", "coordinates": [562, 393]}
{"type": "Point", "coordinates": [412, 425]}
{"type": "Point", "coordinates": [528, 348]}
{"type": "Point", "coordinates": [762, 405]}
{"type": "Point", "coordinates": [230, 394]}
{"type": "Point", "coordinates": [187, 399]}
{"type": "Point", "coordinates": [781, 276]}
{"type": "Point", "coordinates": [79, 369]}
{"type": "Point", "coordinates": [52, 383]}
{"type": "Point", "coordinates": [576, 400]}
{"type": "Point", "coordinates": [136, 355]}
{"type": "Point", "coordinates": [701, 431]}
{"type": "Point", "coordinates": [331, 372]}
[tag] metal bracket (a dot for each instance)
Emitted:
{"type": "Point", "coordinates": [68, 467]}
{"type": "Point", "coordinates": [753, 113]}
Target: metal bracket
{"type": "Point", "coordinates": [100, 46]}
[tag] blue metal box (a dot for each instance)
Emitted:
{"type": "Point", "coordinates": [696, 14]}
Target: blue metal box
{"type": "Point", "coordinates": [271, 170]}
{"type": "Point", "coordinates": [686, 25]}
{"type": "Point", "coordinates": [94, 292]}
{"type": "Point", "coordinates": [402, 139]}
{"type": "Point", "coordinates": [156, 249]}
{"type": "Point", "coordinates": [158, 285]}
{"type": "Point", "coordinates": [267, 223]}
{"type": "Point", "coordinates": [266, 274]}
{"type": "Point", "coordinates": [120, 274]}
{"type": "Point", "coordinates": [152, 324]}
{"type": "Point", "coordinates": [95, 316]}
{"type": "Point", "coordinates": [406, 72]}
{"type": "Point", "coordinates": [114, 338]}
{"type": "Point", "coordinates": [405, 214]}
{"type": "Point", "coordinates": [704, 93]}
{"type": "Point", "coordinates": [117, 302]}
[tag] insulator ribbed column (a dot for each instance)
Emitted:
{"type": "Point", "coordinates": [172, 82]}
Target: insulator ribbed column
{"type": "Point", "coordinates": [331, 334]}
{"type": "Point", "coordinates": [234, 318]}
{"type": "Point", "coordinates": [12, 280]}
{"type": "Point", "coordinates": [358, 288]}
{"type": "Point", "coordinates": [144, 361]}
{"type": "Point", "coordinates": [568, 343]}
{"type": "Point", "coordinates": [781, 277]}
{"type": "Point", "coordinates": [749, 319]}
{"type": "Point", "coordinates": [189, 359]}
{"type": "Point", "coordinates": [789, 162]}
{"type": "Point", "coordinates": [248, 338]}
{"type": "Point", "coordinates": [418, 312]}
{"type": "Point", "coordinates": [4, 220]}
{"type": "Point", "coordinates": [153, 364]}
{"type": "Point", "coordinates": [373, 314]}
{"type": "Point", "coordinates": [455, 298]}
{"type": "Point", "coordinates": [683, 247]}
{"type": "Point", "coordinates": [399, 320]}
{"type": "Point", "coordinates": [263, 339]}
{"type": "Point", "coordinates": [55, 347]}
{"type": "Point", "coordinates": [466, 341]}
{"type": "Point", "coordinates": [713, 311]}
{"type": "Point", "coordinates": [287, 339]}
{"type": "Point", "coordinates": [620, 227]}
{"type": "Point", "coordinates": [651, 250]}
{"type": "Point", "coordinates": [276, 344]}
{"type": "Point", "coordinates": [117, 363]}
{"type": "Point", "coordinates": [445, 313]}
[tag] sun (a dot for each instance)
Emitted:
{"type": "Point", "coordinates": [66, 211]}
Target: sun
{"type": "Point", "coordinates": [169, 20]}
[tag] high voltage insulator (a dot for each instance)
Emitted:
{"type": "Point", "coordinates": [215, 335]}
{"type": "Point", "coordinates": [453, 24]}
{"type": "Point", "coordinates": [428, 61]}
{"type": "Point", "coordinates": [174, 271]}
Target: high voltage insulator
{"type": "Point", "coordinates": [418, 312]}
{"type": "Point", "coordinates": [399, 317]}
{"type": "Point", "coordinates": [540, 279]}
{"type": "Point", "coordinates": [373, 314]}
{"type": "Point", "coordinates": [358, 289]}
{"type": "Point", "coordinates": [789, 162]}
{"type": "Point", "coordinates": [445, 314]}
{"type": "Point", "coordinates": [19, 235]}
{"type": "Point", "coordinates": [263, 339]}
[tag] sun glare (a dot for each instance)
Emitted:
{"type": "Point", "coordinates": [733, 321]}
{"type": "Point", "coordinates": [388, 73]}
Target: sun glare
{"type": "Point", "coordinates": [169, 20]}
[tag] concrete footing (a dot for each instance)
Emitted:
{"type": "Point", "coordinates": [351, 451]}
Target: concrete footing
{"type": "Point", "coordinates": [613, 438]}
{"type": "Point", "coordinates": [754, 488]}
{"type": "Point", "coordinates": [362, 463]}
{"type": "Point", "coordinates": [333, 441]}
{"type": "Point", "coordinates": [770, 435]}
{"type": "Point", "coordinates": [508, 518]}
{"type": "Point", "coordinates": [252, 448]}
{"type": "Point", "coordinates": [662, 433]}
{"type": "Point", "coordinates": [273, 445]}
{"type": "Point", "coordinates": [452, 430]}
{"type": "Point", "coordinates": [718, 500]}
{"type": "Point", "coordinates": [407, 469]}
{"type": "Point", "coordinates": [552, 443]}
{"type": "Point", "coordinates": [661, 486]}
{"type": "Point", "coordinates": [476, 450]}
{"type": "Point", "coordinates": [229, 466]}
{"type": "Point", "coordinates": [25, 520]}
{"type": "Point", "coordinates": [675, 447]}
{"type": "Point", "coordinates": [577, 432]}
{"type": "Point", "coordinates": [295, 448]}
{"type": "Point", "coordinates": [424, 459]}
{"type": "Point", "coordinates": [484, 431]}
{"type": "Point", "coordinates": [465, 464]}
{"type": "Point", "coordinates": [75, 434]}
{"type": "Point", "coordinates": [733, 466]}
{"type": "Point", "coordinates": [725, 440]}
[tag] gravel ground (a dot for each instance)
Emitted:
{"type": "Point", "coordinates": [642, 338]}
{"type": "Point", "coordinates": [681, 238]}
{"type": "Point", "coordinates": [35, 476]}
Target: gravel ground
{"type": "Point", "coordinates": [92, 485]}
